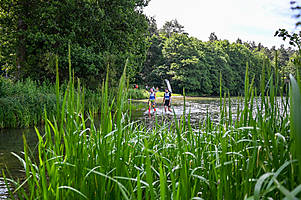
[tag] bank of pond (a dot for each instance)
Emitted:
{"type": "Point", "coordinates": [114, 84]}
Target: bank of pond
{"type": "Point", "coordinates": [23, 104]}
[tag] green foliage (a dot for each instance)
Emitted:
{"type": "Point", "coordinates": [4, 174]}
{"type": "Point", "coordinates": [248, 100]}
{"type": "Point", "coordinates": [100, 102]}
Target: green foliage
{"type": "Point", "coordinates": [171, 27]}
{"type": "Point", "coordinates": [295, 61]}
{"type": "Point", "coordinates": [23, 103]}
{"type": "Point", "coordinates": [138, 94]}
{"type": "Point", "coordinates": [161, 94]}
{"type": "Point", "coordinates": [290, 68]}
{"type": "Point", "coordinates": [294, 38]}
{"type": "Point", "coordinates": [195, 65]}
{"type": "Point", "coordinates": [295, 101]}
{"type": "Point", "coordinates": [100, 33]}
{"type": "Point", "coordinates": [244, 159]}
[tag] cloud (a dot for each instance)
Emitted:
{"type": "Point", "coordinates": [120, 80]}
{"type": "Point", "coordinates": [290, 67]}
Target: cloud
{"type": "Point", "coordinates": [250, 20]}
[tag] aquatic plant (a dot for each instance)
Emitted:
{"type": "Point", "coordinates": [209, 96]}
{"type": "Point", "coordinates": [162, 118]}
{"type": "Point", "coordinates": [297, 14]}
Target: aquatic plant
{"type": "Point", "coordinates": [24, 103]}
{"type": "Point", "coordinates": [250, 157]}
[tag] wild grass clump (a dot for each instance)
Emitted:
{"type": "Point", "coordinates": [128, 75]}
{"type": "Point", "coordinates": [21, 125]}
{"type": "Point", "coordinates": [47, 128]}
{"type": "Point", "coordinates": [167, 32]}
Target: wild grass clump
{"type": "Point", "coordinates": [246, 158]}
{"type": "Point", "coordinates": [22, 104]}
{"type": "Point", "coordinates": [138, 93]}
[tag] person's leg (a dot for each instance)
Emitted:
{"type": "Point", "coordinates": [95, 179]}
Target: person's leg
{"type": "Point", "coordinates": [149, 108]}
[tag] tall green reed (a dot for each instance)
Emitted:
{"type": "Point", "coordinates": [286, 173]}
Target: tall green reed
{"type": "Point", "coordinates": [22, 103]}
{"type": "Point", "coordinates": [120, 159]}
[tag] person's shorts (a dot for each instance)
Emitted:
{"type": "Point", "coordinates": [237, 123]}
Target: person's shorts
{"type": "Point", "coordinates": [152, 103]}
{"type": "Point", "coordinates": [166, 103]}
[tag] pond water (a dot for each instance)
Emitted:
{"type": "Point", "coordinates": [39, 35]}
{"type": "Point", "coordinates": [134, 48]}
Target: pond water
{"type": "Point", "coordinates": [11, 139]}
{"type": "Point", "coordinates": [198, 108]}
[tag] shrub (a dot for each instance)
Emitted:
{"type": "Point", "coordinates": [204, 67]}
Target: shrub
{"type": "Point", "coordinates": [23, 103]}
{"type": "Point", "coordinates": [138, 94]}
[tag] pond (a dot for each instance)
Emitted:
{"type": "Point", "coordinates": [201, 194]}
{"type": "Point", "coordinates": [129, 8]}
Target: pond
{"type": "Point", "coordinates": [12, 141]}
{"type": "Point", "coordinates": [198, 108]}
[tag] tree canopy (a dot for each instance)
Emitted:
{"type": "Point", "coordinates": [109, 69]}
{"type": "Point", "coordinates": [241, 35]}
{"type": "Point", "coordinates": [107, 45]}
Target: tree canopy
{"type": "Point", "coordinates": [104, 33]}
{"type": "Point", "coordinates": [100, 32]}
{"type": "Point", "coordinates": [196, 65]}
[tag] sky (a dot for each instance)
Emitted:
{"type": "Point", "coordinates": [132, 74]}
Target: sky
{"type": "Point", "coordinates": [249, 20]}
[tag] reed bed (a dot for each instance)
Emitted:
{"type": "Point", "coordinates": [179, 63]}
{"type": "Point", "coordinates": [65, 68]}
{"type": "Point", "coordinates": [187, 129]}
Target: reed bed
{"type": "Point", "coordinates": [254, 156]}
{"type": "Point", "coordinates": [23, 103]}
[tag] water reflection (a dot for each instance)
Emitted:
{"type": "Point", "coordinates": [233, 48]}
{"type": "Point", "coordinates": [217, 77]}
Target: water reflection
{"type": "Point", "coordinates": [198, 109]}
{"type": "Point", "coordinates": [11, 140]}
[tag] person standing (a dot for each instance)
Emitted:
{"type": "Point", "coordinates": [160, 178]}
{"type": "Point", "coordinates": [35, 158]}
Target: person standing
{"type": "Point", "coordinates": [167, 100]}
{"type": "Point", "coordinates": [152, 101]}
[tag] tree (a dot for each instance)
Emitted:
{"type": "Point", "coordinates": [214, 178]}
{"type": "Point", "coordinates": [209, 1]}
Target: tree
{"type": "Point", "coordinates": [239, 41]}
{"type": "Point", "coordinates": [283, 56]}
{"type": "Point", "coordinates": [172, 26]}
{"type": "Point", "coordinates": [154, 59]}
{"type": "Point", "coordinates": [294, 40]}
{"type": "Point", "coordinates": [296, 7]}
{"type": "Point", "coordinates": [196, 65]}
{"type": "Point", "coordinates": [99, 31]}
{"type": "Point", "coordinates": [290, 68]}
{"type": "Point", "coordinates": [152, 26]}
{"type": "Point", "coordinates": [213, 37]}
{"type": "Point", "coordinates": [182, 63]}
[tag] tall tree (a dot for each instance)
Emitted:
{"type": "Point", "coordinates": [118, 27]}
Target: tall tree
{"type": "Point", "coordinates": [213, 37]}
{"type": "Point", "coordinates": [172, 26]}
{"type": "Point", "coordinates": [99, 31]}
{"type": "Point", "coordinates": [196, 65]}
{"type": "Point", "coordinates": [239, 41]}
{"type": "Point", "coordinates": [152, 26]}
{"type": "Point", "coordinates": [295, 6]}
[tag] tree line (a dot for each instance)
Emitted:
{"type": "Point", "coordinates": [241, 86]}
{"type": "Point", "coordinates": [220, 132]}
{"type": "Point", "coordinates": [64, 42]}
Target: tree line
{"type": "Point", "coordinates": [197, 65]}
{"type": "Point", "coordinates": [109, 33]}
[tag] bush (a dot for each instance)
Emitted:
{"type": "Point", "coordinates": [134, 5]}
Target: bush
{"type": "Point", "coordinates": [23, 103]}
{"type": "Point", "coordinates": [138, 94]}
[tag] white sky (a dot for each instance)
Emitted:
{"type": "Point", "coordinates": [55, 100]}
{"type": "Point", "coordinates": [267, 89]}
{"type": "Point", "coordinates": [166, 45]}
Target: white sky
{"type": "Point", "coordinates": [249, 20]}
